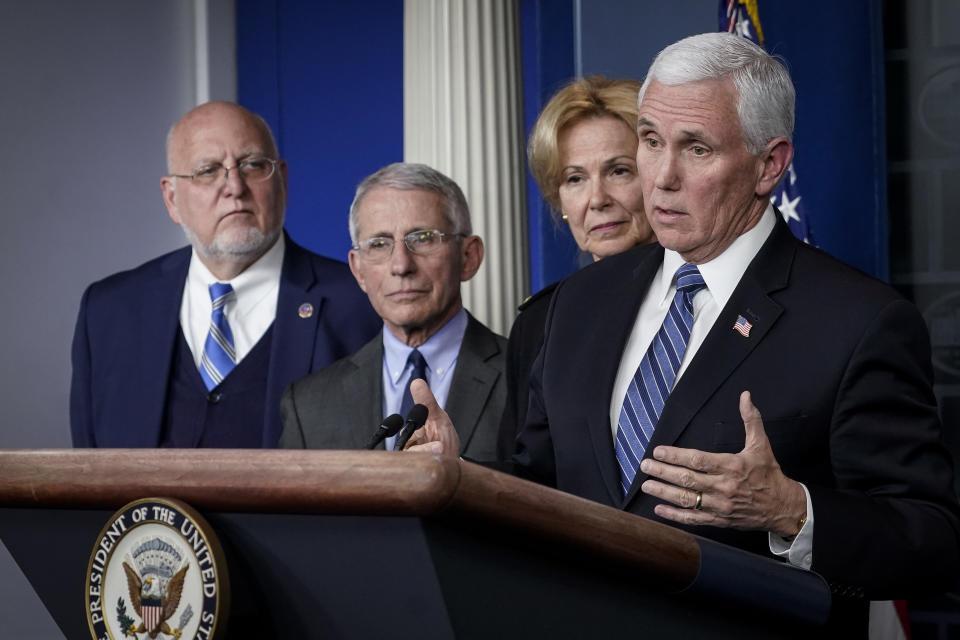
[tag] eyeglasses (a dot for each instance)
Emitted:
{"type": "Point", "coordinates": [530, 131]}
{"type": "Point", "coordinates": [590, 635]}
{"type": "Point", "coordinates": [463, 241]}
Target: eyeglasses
{"type": "Point", "coordinates": [250, 169]}
{"type": "Point", "coordinates": [421, 243]}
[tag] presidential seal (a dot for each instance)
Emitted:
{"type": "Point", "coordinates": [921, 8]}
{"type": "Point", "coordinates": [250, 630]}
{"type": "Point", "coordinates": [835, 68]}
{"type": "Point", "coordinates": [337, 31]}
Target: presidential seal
{"type": "Point", "coordinates": [157, 571]}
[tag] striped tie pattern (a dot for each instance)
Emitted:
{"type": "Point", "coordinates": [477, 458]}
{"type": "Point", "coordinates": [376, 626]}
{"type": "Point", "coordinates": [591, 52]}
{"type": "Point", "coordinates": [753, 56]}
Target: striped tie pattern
{"type": "Point", "coordinates": [654, 378]}
{"type": "Point", "coordinates": [219, 357]}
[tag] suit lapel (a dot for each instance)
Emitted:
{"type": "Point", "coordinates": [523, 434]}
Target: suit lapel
{"type": "Point", "coordinates": [473, 380]}
{"type": "Point", "coordinates": [160, 331]}
{"type": "Point", "coordinates": [299, 305]}
{"type": "Point", "coordinates": [724, 348]}
{"type": "Point", "coordinates": [619, 313]}
{"type": "Point", "coordinates": [364, 393]}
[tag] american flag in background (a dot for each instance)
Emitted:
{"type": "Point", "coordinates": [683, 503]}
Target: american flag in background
{"type": "Point", "coordinates": [742, 18]}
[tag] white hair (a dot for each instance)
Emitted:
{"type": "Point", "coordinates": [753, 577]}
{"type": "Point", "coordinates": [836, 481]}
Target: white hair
{"type": "Point", "coordinates": [765, 93]}
{"type": "Point", "coordinates": [409, 176]}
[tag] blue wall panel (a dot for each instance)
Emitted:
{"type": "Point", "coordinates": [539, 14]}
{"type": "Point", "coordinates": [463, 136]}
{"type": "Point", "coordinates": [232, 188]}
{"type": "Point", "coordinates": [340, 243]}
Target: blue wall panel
{"type": "Point", "coordinates": [328, 77]}
{"type": "Point", "coordinates": [621, 39]}
{"type": "Point", "coordinates": [547, 40]}
{"type": "Point", "coordinates": [836, 60]}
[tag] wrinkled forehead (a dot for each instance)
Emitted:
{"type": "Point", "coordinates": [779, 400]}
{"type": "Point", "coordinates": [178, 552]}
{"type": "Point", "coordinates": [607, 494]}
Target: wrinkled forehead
{"type": "Point", "coordinates": [387, 211]}
{"type": "Point", "coordinates": [702, 104]}
{"type": "Point", "coordinates": [218, 134]}
{"type": "Point", "coordinates": [709, 93]}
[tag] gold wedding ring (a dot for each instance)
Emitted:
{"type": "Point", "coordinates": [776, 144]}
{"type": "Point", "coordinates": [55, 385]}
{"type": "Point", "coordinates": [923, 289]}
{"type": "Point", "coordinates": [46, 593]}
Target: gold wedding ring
{"type": "Point", "coordinates": [698, 505]}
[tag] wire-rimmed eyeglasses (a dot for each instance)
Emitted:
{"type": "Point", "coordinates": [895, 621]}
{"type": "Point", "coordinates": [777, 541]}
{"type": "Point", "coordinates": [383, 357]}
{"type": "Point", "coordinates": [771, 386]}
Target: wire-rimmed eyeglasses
{"type": "Point", "coordinates": [422, 243]}
{"type": "Point", "coordinates": [254, 169]}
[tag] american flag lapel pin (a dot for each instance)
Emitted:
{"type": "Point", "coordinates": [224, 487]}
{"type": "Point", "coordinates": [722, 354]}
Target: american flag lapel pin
{"type": "Point", "coordinates": [742, 327]}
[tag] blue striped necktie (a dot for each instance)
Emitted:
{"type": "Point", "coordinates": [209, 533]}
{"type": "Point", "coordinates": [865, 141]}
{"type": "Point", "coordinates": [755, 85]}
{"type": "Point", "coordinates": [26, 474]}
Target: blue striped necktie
{"type": "Point", "coordinates": [653, 381]}
{"type": "Point", "coordinates": [219, 357]}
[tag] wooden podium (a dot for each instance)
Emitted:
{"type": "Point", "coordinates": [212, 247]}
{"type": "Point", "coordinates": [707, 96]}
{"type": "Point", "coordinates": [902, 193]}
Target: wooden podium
{"type": "Point", "coordinates": [368, 544]}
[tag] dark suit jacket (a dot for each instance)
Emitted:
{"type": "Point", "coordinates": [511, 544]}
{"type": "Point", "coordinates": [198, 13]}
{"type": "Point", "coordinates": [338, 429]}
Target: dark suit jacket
{"type": "Point", "coordinates": [837, 363]}
{"type": "Point", "coordinates": [341, 406]}
{"type": "Point", "coordinates": [124, 341]}
{"type": "Point", "coordinates": [526, 338]}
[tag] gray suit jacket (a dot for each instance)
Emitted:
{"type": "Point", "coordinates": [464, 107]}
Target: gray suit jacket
{"type": "Point", "coordinates": [341, 406]}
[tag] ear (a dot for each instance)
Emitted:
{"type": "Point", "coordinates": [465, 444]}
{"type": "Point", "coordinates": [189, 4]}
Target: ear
{"type": "Point", "coordinates": [472, 257]}
{"type": "Point", "coordinates": [169, 190]}
{"type": "Point", "coordinates": [776, 159]}
{"type": "Point", "coordinates": [282, 165]}
{"type": "Point", "coordinates": [354, 259]}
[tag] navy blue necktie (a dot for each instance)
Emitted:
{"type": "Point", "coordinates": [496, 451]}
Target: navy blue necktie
{"type": "Point", "coordinates": [419, 371]}
{"type": "Point", "coordinates": [653, 381]}
{"type": "Point", "coordinates": [219, 357]}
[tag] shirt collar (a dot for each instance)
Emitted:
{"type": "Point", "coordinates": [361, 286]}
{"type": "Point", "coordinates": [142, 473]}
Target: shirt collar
{"type": "Point", "coordinates": [723, 273]}
{"type": "Point", "coordinates": [440, 350]}
{"type": "Point", "coordinates": [252, 284]}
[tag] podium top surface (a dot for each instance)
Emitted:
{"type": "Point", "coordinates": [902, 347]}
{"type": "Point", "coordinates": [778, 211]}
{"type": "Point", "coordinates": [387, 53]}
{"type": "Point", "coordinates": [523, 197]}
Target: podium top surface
{"type": "Point", "coordinates": [344, 483]}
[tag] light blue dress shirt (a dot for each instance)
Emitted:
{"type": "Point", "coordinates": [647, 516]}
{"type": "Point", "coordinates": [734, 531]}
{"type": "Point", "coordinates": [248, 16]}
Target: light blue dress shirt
{"type": "Point", "coordinates": [440, 352]}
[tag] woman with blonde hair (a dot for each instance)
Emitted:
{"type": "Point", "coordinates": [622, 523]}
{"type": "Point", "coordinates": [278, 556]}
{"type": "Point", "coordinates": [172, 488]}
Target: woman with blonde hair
{"type": "Point", "coordinates": [582, 153]}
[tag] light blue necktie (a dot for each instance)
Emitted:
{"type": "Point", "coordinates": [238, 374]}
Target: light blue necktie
{"type": "Point", "coordinates": [653, 381]}
{"type": "Point", "coordinates": [219, 356]}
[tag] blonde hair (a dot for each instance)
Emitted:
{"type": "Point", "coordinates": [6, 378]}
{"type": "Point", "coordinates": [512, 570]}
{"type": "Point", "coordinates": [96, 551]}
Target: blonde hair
{"type": "Point", "coordinates": [590, 97]}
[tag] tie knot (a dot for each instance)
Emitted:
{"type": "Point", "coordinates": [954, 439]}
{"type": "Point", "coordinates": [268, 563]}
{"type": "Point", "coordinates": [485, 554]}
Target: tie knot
{"type": "Point", "coordinates": [219, 292]}
{"type": "Point", "coordinates": [419, 365]}
{"type": "Point", "coordinates": [689, 279]}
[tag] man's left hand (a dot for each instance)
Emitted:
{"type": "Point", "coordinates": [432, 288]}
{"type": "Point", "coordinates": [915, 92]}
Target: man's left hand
{"type": "Point", "coordinates": [746, 490]}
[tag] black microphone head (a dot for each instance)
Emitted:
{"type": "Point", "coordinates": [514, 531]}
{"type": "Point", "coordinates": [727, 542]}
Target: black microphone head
{"type": "Point", "coordinates": [415, 419]}
{"type": "Point", "coordinates": [392, 424]}
{"type": "Point", "coordinates": [417, 416]}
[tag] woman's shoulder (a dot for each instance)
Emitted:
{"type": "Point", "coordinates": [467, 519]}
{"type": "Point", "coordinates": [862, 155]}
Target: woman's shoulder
{"type": "Point", "coordinates": [540, 298]}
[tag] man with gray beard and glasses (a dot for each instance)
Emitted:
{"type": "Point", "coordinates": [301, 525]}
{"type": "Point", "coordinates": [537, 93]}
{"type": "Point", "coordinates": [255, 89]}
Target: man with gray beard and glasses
{"type": "Point", "coordinates": [194, 348]}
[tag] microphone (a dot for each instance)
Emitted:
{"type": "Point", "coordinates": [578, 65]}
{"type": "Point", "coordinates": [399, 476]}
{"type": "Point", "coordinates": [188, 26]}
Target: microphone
{"type": "Point", "coordinates": [389, 427]}
{"type": "Point", "coordinates": [415, 420]}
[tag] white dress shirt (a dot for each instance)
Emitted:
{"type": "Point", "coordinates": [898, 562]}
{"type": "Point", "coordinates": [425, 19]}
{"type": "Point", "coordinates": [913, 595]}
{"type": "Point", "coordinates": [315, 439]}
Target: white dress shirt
{"type": "Point", "coordinates": [250, 312]}
{"type": "Point", "coordinates": [722, 275]}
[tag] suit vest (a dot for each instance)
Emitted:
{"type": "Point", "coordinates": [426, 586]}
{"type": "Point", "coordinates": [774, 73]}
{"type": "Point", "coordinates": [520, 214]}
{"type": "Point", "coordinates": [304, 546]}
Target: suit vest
{"type": "Point", "coordinates": [230, 416]}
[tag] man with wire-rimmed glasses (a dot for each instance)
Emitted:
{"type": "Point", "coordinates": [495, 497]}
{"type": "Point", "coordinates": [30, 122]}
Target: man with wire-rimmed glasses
{"type": "Point", "coordinates": [194, 348]}
{"type": "Point", "coordinates": [412, 247]}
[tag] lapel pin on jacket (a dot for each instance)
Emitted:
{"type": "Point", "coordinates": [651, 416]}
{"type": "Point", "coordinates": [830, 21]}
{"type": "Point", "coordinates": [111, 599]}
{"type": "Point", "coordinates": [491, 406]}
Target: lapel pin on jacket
{"type": "Point", "coordinates": [305, 310]}
{"type": "Point", "coordinates": [742, 327]}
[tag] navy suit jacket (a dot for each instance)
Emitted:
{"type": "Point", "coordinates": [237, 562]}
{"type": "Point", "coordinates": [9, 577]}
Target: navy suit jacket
{"type": "Point", "coordinates": [128, 324]}
{"type": "Point", "coordinates": [838, 365]}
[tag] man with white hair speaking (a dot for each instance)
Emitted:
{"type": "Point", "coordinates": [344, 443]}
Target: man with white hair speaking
{"type": "Point", "coordinates": [649, 402]}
